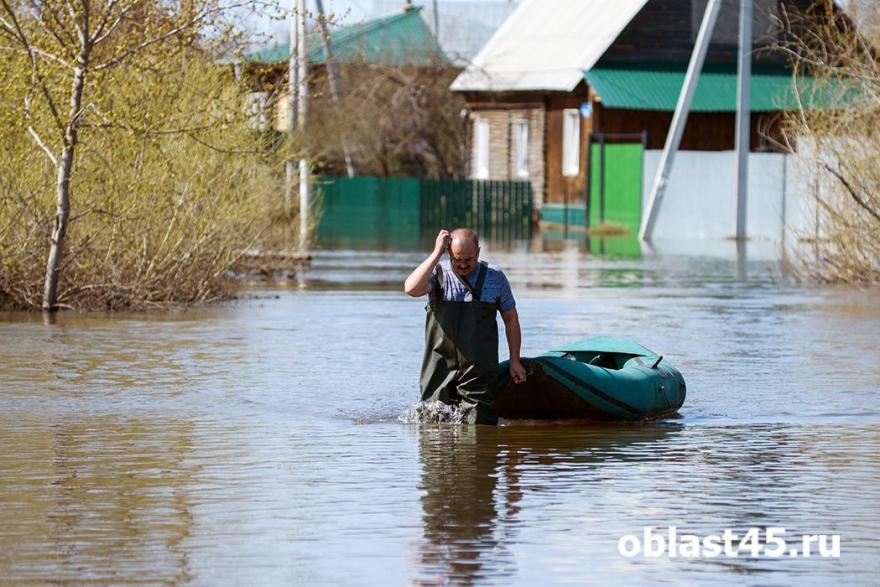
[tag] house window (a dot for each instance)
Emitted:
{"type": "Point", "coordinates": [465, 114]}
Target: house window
{"type": "Point", "coordinates": [521, 147]}
{"type": "Point", "coordinates": [571, 140]}
{"type": "Point", "coordinates": [481, 149]}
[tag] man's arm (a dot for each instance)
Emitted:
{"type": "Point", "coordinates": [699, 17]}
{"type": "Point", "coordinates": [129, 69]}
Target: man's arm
{"type": "Point", "coordinates": [418, 282]}
{"type": "Point", "coordinates": [514, 339]}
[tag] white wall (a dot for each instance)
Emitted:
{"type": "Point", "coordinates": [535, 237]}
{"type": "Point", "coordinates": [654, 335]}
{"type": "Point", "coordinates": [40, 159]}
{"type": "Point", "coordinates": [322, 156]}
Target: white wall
{"type": "Point", "coordinates": [700, 200]}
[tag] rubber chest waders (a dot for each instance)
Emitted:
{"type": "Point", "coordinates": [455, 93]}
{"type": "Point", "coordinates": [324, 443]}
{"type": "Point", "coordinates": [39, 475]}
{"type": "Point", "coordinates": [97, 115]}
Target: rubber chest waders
{"type": "Point", "coordinates": [460, 365]}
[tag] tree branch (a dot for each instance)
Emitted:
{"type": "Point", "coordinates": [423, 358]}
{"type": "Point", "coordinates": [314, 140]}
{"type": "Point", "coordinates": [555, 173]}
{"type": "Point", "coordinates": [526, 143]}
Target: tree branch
{"type": "Point", "coordinates": [76, 22]}
{"type": "Point", "coordinates": [42, 145]}
{"type": "Point", "coordinates": [36, 77]}
{"type": "Point", "coordinates": [42, 53]}
{"type": "Point", "coordinates": [103, 32]}
{"type": "Point", "coordinates": [60, 35]}
{"type": "Point", "coordinates": [114, 61]}
{"type": "Point", "coordinates": [851, 190]}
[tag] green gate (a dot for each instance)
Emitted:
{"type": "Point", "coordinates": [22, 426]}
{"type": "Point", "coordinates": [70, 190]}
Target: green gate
{"type": "Point", "coordinates": [615, 180]}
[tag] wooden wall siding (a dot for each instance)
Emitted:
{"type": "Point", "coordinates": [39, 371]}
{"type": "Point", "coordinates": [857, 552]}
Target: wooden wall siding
{"type": "Point", "coordinates": [665, 30]}
{"type": "Point", "coordinates": [502, 155]}
{"type": "Point", "coordinates": [704, 131]}
{"type": "Point", "coordinates": [562, 188]}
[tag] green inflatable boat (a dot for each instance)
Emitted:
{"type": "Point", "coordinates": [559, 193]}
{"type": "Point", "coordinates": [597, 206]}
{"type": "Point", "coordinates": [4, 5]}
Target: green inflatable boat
{"type": "Point", "coordinates": [599, 378]}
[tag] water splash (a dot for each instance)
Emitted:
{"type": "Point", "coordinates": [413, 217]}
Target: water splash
{"type": "Point", "coordinates": [432, 413]}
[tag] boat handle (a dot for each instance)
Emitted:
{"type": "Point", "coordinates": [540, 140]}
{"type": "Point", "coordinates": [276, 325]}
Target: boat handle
{"type": "Point", "coordinates": [657, 362]}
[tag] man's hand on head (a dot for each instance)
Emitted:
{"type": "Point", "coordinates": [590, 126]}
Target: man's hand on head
{"type": "Point", "coordinates": [444, 237]}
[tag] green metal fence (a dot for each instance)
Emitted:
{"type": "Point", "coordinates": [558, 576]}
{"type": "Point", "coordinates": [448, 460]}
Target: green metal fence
{"type": "Point", "coordinates": [405, 211]}
{"type": "Point", "coordinates": [368, 210]}
{"type": "Point", "coordinates": [500, 210]}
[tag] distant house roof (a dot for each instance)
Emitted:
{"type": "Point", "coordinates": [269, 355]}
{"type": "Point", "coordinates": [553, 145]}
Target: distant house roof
{"type": "Point", "coordinates": [465, 26]}
{"type": "Point", "coordinates": [657, 87]}
{"type": "Point", "coordinates": [396, 39]}
{"type": "Point", "coordinates": [547, 45]}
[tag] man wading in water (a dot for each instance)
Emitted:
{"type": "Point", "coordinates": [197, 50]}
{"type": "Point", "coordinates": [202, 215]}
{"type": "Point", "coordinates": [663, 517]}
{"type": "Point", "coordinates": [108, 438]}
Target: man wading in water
{"type": "Point", "coordinates": [460, 364]}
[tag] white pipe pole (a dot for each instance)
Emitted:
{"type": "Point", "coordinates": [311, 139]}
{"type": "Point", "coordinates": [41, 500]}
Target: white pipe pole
{"type": "Point", "coordinates": [743, 116]}
{"type": "Point", "coordinates": [676, 128]}
{"type": "Point", "coordinates": [292, 83]}
{"type": "Point", "coordinates": [302, 114]}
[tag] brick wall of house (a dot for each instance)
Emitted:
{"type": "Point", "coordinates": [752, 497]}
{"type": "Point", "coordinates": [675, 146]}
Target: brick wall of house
{"type": "Point", "coordinates": [535, 119]}
{"type": "Point", "coordinates": [502, 152]}
{"type": "Point", "coordinates": [499, 143]}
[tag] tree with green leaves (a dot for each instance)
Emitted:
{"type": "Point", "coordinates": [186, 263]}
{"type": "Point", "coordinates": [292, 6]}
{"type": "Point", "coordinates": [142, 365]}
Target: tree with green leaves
{"type": "Point", "coordinates": [118, 109]}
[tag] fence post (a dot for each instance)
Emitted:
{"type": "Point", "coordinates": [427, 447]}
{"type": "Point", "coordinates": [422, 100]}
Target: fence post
{"type": "Point", "coordinates": [602, 179]}
{"type": "Point", "coordinates": [589, 192]}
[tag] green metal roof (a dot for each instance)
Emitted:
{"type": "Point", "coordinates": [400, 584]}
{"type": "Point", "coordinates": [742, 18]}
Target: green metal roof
{"type": "Point", "coordinates": [657, 87]}
{"type": "Point", "coordinates": [402, 38]}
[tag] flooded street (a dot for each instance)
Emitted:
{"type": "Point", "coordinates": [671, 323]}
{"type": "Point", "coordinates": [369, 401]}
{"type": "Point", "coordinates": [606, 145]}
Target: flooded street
{"type": "Point", "coordinates": [263, 441]}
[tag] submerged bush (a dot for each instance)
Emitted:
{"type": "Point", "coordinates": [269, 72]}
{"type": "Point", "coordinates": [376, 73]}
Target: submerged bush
{"type": "Point", "coordinates": [835, 134]}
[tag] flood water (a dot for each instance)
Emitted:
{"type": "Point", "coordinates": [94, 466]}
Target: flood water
{"type": "Point", "coordinates": [262, 441]}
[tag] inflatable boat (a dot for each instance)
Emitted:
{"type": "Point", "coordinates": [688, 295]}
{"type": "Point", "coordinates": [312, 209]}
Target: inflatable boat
{"type": "Point", "coordinates": [599, 378]}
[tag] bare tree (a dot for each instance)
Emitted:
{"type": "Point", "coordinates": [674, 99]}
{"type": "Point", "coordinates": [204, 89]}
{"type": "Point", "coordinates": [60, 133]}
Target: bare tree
{"type": "Point", "coordinates": [835, 131]}
{"type": "Point", "coordinates": [335, 83]}
{"type": "Point", "coordinates": [398, 120]}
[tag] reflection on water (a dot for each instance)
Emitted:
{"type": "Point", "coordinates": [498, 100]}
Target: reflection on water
{"type": "Point", "coordinates": [474, 479]}
{"type": "Point", "coordinates": [462, 527]}
{"type": "Point", "coordinates": [487, 491]}
{"type": "Point", "coordinates": [260, 441]}
{"type": "Point", "coordinates": [78, 494]}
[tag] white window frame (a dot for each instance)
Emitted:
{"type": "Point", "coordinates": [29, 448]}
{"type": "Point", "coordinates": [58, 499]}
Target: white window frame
{"type": "Point", "coordinates": [481, 148]}
{"type": "Point", "coordinates": [521, 148]}
{"type": "Point", "coordinates": [571, 142]}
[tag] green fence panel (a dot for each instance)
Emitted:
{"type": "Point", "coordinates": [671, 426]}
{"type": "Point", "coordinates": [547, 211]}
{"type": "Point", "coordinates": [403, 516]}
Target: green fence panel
{"type": "Point", "coordinates": [495, 209]}
{"type": "Point", "coordinates": [405, 211]}
{"type": "Point", "coordinates": [369, 210]}
{"type": "Point", "coordinates": [616, 172]}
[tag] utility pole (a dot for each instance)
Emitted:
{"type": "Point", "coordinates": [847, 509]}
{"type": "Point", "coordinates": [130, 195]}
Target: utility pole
{"type": "Point", "coordinates": [743, 117]}
{"type": "Point", "coordinates": [682, 108]}
{"type": "Point", "coordinates": [302, 115]}
{"type": "Point", "coordinates": [335, 85]}
{"type": "Point", "coordinates": [292, 88]}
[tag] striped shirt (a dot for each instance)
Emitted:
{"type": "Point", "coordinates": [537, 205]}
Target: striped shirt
{"type": "Point", "coordinates": [496, 288]}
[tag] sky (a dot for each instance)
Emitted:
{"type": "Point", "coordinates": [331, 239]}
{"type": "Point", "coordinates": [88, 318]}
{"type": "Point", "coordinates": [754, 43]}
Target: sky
{"type": "Point", "coordinates": [267, 31]}
{"type": "Point", "coordinates": [344, 11]}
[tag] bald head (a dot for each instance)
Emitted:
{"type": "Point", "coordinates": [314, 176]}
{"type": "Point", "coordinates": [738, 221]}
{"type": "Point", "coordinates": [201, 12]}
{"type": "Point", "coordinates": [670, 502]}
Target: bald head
{"type": "Point", "coordinates": [464, 251]}
{"type": "Point", "coordinates": [465, 237]}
